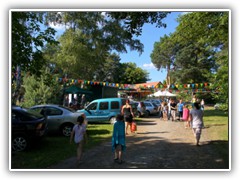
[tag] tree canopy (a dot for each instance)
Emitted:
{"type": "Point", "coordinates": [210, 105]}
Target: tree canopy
{"type": "Point", "coordinates": [197, 51]}
{"type": "Point", "coordinates": [87, 49]}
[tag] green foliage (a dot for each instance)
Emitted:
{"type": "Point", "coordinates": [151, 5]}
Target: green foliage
{"type": "Point", "coordinates": [54, 149]}
{"type": "Point", "coordinates": [197, 51]}
{"type": "Point", "coordinates": [131, 74]}
{"type": "Point", "coordinates": [133, 21]}
{"type": "Point", "coordinates": [27, 40]}
{"type": "Point", "coordinates": [41, 90]}
{"type": "Point", "coordinates": [85, 49]}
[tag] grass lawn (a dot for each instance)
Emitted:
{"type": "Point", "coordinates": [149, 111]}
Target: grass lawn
{"type": "Point", "coordinates": [54, 148]}
{"type": "Point", "coordinates": [218, 124]}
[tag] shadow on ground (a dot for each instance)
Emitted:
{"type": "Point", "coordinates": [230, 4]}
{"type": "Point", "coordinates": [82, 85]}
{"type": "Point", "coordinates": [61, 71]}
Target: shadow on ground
{"type": "Point", "coordinates": [155, 152]}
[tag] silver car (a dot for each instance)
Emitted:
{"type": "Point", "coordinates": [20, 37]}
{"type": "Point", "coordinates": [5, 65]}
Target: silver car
{"type": "Point", "coordinates": [151, 108]}
{"type": "Point", "coordinates": [59, 118]}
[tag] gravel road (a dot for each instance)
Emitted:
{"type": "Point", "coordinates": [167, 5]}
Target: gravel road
{"type": "Point", "coordinates": [157, 145]}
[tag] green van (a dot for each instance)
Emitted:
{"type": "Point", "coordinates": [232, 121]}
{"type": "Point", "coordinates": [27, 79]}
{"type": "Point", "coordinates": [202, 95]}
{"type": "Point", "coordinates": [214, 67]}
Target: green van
{"type": "Point", "coordinates": [104, 109]}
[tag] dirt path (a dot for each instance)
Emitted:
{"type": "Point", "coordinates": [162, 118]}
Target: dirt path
{"type": "Point", "coordinates": [157, 145]}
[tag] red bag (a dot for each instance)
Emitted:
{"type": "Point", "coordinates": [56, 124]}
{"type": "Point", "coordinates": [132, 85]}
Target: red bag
{"type": "Point", "coordinates": [133, 126]}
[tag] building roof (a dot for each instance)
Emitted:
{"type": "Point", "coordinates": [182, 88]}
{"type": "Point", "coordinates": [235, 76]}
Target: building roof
{"type": "Point", "coordinates": [147, 85]}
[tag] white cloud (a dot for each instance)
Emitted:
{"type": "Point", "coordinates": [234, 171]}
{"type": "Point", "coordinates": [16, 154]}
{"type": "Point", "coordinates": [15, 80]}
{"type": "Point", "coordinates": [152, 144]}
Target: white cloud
{"type": "Point", "coordinates": [58, 26]}
{"type": "Point", "coordinates": [149, 66]}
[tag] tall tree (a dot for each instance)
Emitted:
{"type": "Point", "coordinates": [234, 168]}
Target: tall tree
{"type": "Point", "coordinates": [92, 36]}
{"type": "Point", "coordinates": [28, 39]}
{"type": "Point", "coordinates": [131, 74]}
{"type": "Point", "coordinates": [191, 51]}
{"type": "Point", "coordinates": [200, 50]}
{"type": "Point", "coordinates": [134, 21]}
{"type": "Point", "coordinates": [163, 55]}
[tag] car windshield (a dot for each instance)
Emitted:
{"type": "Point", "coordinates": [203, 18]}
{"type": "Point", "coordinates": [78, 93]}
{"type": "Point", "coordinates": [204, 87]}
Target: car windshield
{"type": "Point", "coordinates": [30, 114]}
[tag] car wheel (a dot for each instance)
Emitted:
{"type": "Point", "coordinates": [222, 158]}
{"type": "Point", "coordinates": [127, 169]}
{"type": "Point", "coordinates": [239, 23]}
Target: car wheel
{"type": "Point", "coordinates": [19, 143]}
{"type": "Point", "coordinates": [67, 129]}
{"type": "Point", "coordinates": [112, 120]}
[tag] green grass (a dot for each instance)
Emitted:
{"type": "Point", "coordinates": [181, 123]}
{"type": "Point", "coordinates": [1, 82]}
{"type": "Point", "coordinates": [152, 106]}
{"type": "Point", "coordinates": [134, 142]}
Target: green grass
{"type": "Point", "coordinates": [215, 118]}
{"type": "Point", "coordinates": [218, 123]}
{"type": "Point", "coordinates": [54, 149]}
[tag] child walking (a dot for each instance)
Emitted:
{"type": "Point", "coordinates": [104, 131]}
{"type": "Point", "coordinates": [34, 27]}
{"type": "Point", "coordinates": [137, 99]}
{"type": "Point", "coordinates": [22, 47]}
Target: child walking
{"type": "Point", "coordinates": [165, 111]}
{"type": "Point", "coordinates": [79, 134]}
{"type": "Point", "coordinates": [186, 112]}
{"type": "Point", "coordinates": [118, 139]}
{"type": "Point", "coordinates": [196, 117]}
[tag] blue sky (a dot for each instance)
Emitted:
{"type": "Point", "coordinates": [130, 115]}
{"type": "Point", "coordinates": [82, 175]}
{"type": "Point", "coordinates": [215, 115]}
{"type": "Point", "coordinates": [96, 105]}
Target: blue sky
{"type": "Point", "coordinates": [150, 35]}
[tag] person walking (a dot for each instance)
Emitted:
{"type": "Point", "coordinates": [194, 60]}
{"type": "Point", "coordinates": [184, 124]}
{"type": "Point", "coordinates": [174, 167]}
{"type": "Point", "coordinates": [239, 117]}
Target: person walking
{"type": "Point", "coordinates": [127, 114]}
{"type": "Point", "coordinates": [180, 106]}
{"type": "Point", "coordinates": [186, 113]}
{"type": "Point", "coordinates": [173, 109]}
{"type": "Point", "coordinates": [160, 110]}
{"type": "Point", "coordinates": [79, 134]}
{"type": "Point", "coordinates": [118, 138]}
{"type": "Point", "coordinates": [165, 111]}
{"type": "Point", "coordinates": [196, 117]}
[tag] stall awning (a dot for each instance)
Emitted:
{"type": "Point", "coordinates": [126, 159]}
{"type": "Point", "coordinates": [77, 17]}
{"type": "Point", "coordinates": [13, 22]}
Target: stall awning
{"type": "Point", "coordinates": [77, 90]}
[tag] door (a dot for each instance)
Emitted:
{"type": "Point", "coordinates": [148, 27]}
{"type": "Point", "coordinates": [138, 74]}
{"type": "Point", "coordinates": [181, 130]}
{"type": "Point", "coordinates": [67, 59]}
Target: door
{"type": "Point", "coordinates": [98, 111]}
{"type": "Point", "coordinates": [54, 117]}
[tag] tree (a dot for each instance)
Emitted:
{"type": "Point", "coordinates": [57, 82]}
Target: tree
{"type": "Point", "coordinates": [163, 55]}
{"type": "Point", "coordinates": [41, 90]}
{"type": "Point", "coordinates": [131, 74]}
{"type": "Point", "coordinates": [85, 47]}
{"type": "Point", "coordinates": [28, 39]}
{"type": "Point", "coordinates": [192, 50]}
{"type": "Point", "coordinates": [134, 21]}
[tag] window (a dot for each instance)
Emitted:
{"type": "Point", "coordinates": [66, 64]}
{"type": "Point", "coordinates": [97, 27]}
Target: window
{"type": "Point", "coordinates": [92, 106]}
{"type": "Point", "coordinates": [103, 106]}
{"type": "Point", "coordinates": [114, 105]}
{"type": "Point", "coordinates": [147, 104]}
{"type": "Point", "coordinates": [53, 111]}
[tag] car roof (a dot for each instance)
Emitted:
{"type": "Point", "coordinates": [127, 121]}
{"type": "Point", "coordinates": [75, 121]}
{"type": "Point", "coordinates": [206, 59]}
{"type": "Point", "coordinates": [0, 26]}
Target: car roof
{"type": "Point", "coordinates": [18, 108]}
{"type": "Point", "coordinates": [109, 99]}
{"type": "Point", "coordinates": [47, 105]}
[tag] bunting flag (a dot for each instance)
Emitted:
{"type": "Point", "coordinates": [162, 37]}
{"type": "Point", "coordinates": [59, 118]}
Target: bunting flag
{"type": "Point", "coordinates": [191, 87]}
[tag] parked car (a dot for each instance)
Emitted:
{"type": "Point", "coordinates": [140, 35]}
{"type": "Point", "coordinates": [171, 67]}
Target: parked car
{"type": "Point", "coordinates": [156, 101]}
{"type": "Point", "coordinates": [151, 108]}
{"type": "Point", "coordinates": [104, 109]}
{"type": "Point", "coordinates": [26, 127]}
{"type": "Point", "coordinates": [139, 109]}
{"type": "Point", "coordinates": [60, 118]}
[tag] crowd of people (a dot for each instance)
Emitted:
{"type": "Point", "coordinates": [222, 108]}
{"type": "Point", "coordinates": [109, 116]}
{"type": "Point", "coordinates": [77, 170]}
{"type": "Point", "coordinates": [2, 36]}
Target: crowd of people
{"type": "Point", "coordinates": [191, 114]}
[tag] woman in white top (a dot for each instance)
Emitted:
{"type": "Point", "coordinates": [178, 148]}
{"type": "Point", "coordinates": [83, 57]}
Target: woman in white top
{"type": "Point", "coordinates": [196, 117]}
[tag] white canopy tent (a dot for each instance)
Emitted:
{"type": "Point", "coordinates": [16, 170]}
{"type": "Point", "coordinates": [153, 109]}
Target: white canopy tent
{"type": "Point", "coordinates": [162, 94]}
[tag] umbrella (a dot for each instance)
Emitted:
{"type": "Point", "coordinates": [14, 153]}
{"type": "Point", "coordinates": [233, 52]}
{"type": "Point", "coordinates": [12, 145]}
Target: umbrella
{"type": "Point", "coordinates": [163, 93]}
{"type": "Point", "coordinates": [77, 90]}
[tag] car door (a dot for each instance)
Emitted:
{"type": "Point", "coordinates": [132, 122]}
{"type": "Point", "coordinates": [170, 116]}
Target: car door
{"type": "Point", "coordinates": [103, 111]}
{"type": "Point", "coordinates": [54, 116]}
{"type": "Point", "coordinates": [148, 107]}
{"type": "Point", "coordinates": [91, 111]}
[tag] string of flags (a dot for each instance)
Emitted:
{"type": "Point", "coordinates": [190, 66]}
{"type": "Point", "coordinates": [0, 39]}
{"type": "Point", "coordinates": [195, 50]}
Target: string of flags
{"type": "Point", "coordinates": [175, 88]}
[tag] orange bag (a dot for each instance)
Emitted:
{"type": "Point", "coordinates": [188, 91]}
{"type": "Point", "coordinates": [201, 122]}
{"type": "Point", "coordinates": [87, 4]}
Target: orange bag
{"type": "Point", "coordinates": [133, 126]}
